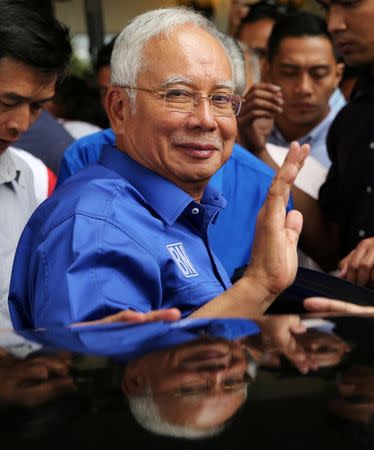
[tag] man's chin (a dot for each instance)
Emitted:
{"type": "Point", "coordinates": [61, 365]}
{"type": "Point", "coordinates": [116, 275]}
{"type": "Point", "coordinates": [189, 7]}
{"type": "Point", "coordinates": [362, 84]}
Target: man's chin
{"type": "Point", "coordinates": [358, 59]}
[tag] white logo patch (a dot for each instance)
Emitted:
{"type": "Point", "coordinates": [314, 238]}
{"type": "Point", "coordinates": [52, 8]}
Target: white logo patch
{"type": "Point", "coordinates": [178, 253]}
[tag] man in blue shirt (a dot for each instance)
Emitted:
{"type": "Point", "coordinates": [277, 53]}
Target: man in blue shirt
{"type": "Point", "coordinates": [131, 232]}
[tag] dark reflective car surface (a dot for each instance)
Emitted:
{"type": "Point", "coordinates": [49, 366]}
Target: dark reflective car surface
{"type": "Point", "coordinates": [274, 382]}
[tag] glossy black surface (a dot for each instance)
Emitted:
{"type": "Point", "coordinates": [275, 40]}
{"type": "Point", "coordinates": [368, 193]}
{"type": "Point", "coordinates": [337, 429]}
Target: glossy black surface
{"type": "Point", "coordinates": [229, 384]}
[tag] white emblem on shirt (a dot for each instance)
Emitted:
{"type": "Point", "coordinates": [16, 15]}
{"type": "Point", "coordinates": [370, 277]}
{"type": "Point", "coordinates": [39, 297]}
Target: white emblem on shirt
{"type": "Point", "coordinates": [178, 253]}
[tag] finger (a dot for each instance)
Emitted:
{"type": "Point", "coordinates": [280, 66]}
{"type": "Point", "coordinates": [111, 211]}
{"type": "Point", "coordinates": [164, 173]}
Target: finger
{"type": "Point", "coordinates": [287, 173]}
{"type": "Point", "coordinates": [298, 327]}
{"type": "Point", "coordinates": [299, 360]}
{"type": "Point", "coordinates": [343, 265]}
{"type": "Point", "coordinates": [325, 305]}
{"type": "Point", "coordinates": [36, 372]}
{"type": "Point", "coordinates": [365, 269]}
{"type": "Point", "coordinates": [170, 314]}
{"type": "Point", "coordinates": [130, 316]}
{"type": "Point", "coordinates": [294, 225]}
{"type": "Point", "coordinates": [355, 265]}
{"type": "Point", "coordinates": [294, 162]}
{"type": "Point", "coordinates": [270, 87]}
{"type": "Point", "coordinates": [122, 316]}
{"type": "Point", "coordinates": [52, 364]}
{"type": "Point", "coordinates": [267, 104]}
{"type": "Point", "coordinates": [125, 316]}
{"type": "Point", "coordinates": [252, 115]}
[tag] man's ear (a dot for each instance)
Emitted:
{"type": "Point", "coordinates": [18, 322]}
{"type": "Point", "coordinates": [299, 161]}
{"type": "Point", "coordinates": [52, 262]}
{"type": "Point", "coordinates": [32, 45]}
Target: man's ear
{"type": "Point", "coordinates": [117, 107]}
{"type": "Point", "coordinates": [133, 383]}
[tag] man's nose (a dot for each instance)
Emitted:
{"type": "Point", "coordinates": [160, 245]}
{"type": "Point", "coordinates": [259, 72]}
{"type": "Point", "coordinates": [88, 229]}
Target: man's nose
{"type": "Point", "coordinates": [203, 116]}
{"type": "Point", "coordinates": [335, 19]}
{"type": "Point", "coordinates": [19, 120]}
{"type": "Point", "coordinates": [304, 84]}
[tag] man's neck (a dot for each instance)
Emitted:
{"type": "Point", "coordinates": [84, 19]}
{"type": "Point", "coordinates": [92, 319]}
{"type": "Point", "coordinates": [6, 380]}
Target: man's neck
{"type": "Point", "coordinates": [196, 191]}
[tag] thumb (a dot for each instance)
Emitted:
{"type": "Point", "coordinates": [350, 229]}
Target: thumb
{"type": "Point", "coordinates": [294, 225]}
{"type": "Point", "coordinates": [343, 266]}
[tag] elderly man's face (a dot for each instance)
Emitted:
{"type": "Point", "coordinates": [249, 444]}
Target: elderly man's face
{"type": "Point", "coordinates": [184, 147]}
{"type": "Point", "coordinates": [202, 382]}
{"type": "Point", "coordinates": [351, 25]}
{"type": "Point", "coordinates": [23, 91]}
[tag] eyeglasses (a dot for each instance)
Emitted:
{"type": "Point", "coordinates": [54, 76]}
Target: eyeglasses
{"type": "Point", "coordinates": [186, 101]}
{"type": "Point", "coordinates": [228, 385]}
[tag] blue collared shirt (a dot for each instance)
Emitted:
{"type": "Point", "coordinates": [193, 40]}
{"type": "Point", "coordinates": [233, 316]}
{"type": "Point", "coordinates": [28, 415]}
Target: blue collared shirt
{"type": "Point", "coordinates": [316, 138]}
{"type": "Point", "coordinates": [115, 236]}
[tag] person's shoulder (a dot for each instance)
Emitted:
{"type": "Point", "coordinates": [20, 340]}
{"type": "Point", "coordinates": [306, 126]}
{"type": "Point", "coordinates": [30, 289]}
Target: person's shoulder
{"type": "Point", "coordinates": [89, 191]}
{"type": "Point", "coordinates": [31, 161]}
{"type": "Point", "coordinates": [26, 177]}
{"type": "Point", "coordinates": [94, 140]}
{"type": "Point", "coordinates": [42, 176]}
{"type": "Point", "coordinates": [244, 160]}
{"type": "Point", "coordinates": [93, 197]}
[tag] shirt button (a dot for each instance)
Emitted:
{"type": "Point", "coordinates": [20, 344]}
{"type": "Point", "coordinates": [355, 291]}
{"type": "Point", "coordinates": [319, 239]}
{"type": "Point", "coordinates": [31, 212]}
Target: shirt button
{"type": "Point", "coordinates": [369, 189]}
{"type": "Point", "coordinates": [371, 145]}
{"type": "Point", "coordinates": [195, 211]}
{"type": "Point", "coordinates": [361, 233]}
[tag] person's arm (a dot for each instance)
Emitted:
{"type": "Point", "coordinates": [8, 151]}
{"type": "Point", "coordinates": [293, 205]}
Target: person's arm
{"type": "Point", "coordinates": [274, 258]}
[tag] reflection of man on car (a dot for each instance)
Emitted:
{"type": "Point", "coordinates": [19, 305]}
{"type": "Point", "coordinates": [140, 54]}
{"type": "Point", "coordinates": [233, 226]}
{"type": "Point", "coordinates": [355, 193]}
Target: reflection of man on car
{"type": "Point", "coordinates": [190, 391]}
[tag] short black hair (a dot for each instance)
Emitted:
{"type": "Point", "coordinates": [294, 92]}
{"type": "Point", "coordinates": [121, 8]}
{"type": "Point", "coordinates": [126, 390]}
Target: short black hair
{"type": "Point", "coordinates": [104, 55]}
{"type": "Point", "coordinates": [39, 41]}
{"type": "Point", "coordinates": [297, 24]}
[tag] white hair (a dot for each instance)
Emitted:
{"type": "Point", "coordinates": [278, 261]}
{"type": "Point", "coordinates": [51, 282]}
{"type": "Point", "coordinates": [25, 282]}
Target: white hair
{"type": "Point", "coordinates": [254, 62]}
{"type": "Point", "coordinates": [127, 56]}
{"type": "Point", "coordinates": [146, 413]}
{"type": "Point", "coordinates": [236, 56]}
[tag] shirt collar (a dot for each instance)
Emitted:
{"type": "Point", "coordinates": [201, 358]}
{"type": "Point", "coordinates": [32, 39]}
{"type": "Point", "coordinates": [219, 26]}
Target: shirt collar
{"type": "Point", "coordinates": [167, 199]}
{"type": "Point", "coordinates": [319, 129]}
{"type": "Point", "coordinates": [8, 169]}
{"type": "Point", "coordinates": [308, 138]}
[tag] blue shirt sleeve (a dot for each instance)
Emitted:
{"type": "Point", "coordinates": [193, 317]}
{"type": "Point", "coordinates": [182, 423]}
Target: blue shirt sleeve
{"type": "Point", "coordinates": [77, 282]}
